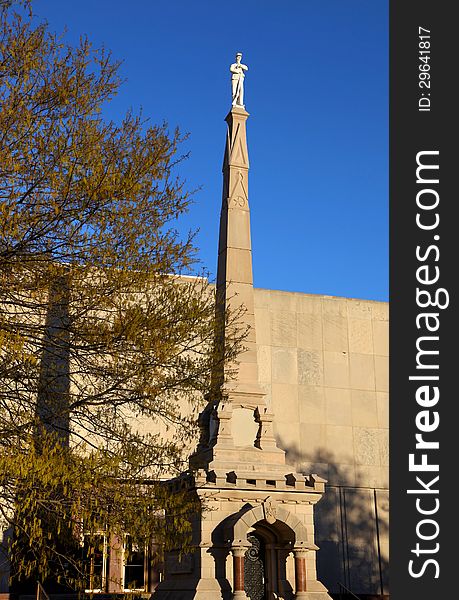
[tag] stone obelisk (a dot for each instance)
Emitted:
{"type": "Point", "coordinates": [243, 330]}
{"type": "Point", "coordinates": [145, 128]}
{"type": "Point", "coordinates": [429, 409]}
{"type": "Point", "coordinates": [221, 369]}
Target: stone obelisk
{"type": "Point", "coordinates": [255, 508]}
{"type": "Point", "coordinates": [237, 424]}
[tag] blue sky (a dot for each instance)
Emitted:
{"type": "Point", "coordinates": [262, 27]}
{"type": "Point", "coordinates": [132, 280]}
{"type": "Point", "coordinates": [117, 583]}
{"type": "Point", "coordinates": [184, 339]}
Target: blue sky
{"type": "Point", "coordinates": [317, 93]}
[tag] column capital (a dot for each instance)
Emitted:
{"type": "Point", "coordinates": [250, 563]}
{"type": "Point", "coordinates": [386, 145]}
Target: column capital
{"type": "Point", "coordinates": [238, 551]}
{"type": "Point", "coordinates": [300, 552]}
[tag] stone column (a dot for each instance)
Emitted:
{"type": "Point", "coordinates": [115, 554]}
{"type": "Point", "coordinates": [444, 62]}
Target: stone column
{"type": "Point", "coordinates": [265, 437]}
{"type": "Point", "coordinates": [238, 573]}
{"type": "Point", "coordinates": [300, 572]}
{"type": "Point", "coordinates": [223, 433]}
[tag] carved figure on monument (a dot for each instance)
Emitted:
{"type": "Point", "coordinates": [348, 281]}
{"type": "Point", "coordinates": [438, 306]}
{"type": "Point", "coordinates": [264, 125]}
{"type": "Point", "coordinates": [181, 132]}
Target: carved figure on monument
{"type": "Point", "coordinates": [270, 511]}
{"type": "Point", "coordinates": [237, 80]}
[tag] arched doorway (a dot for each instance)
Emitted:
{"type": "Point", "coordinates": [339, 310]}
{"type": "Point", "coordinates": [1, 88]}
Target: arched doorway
{"type": "Point", "coordinates": [265, 575]}
{"type": "Point", "coordinates": [269, 547]}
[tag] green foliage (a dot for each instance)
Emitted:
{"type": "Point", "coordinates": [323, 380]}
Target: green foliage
{"type": "Point", "coordinates": [61, 494]}
{"type": "Point", "coordinates": [104, 355]}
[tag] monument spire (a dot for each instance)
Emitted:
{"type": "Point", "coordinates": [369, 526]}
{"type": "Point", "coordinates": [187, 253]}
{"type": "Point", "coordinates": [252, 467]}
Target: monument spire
{"type": "Point", "coordinates": [234, 272]}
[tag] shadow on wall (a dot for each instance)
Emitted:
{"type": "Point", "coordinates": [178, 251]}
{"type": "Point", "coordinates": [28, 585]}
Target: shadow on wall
{"type": "Point", "coordinates": [54, 381]}
{"type": "Point", "coordinates": [351, 527]}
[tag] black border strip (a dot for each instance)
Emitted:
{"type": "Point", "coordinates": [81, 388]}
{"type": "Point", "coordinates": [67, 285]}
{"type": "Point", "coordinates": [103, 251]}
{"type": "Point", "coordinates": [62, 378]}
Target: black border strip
{"type": "Point", "coordinates": [413, 131]}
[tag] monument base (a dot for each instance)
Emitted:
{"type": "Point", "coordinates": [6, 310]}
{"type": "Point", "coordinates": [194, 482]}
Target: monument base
{"type": "Point", "coordinates": [193, 589]}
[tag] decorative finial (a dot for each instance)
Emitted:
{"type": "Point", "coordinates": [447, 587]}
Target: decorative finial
{"type": "Point", "coordinates": [237, 80]}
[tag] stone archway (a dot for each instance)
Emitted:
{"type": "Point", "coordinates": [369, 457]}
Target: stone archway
{"type": "Point", "coordinates": [280, 533]}
{"type": "Point", "coordinates": [277, 542]}
{"type": "Point", "coordinates": [277, 517]}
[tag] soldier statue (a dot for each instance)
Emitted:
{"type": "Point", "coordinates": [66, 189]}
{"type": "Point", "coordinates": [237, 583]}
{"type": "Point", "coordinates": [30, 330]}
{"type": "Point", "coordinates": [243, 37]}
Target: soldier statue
{"type": "Point", "coordinates": [237, 80]}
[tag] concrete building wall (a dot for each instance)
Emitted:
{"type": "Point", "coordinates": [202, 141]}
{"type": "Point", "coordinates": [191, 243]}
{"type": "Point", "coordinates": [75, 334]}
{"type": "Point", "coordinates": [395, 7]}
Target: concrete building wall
{"type": "Point", "coordinates": [323, 363]}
